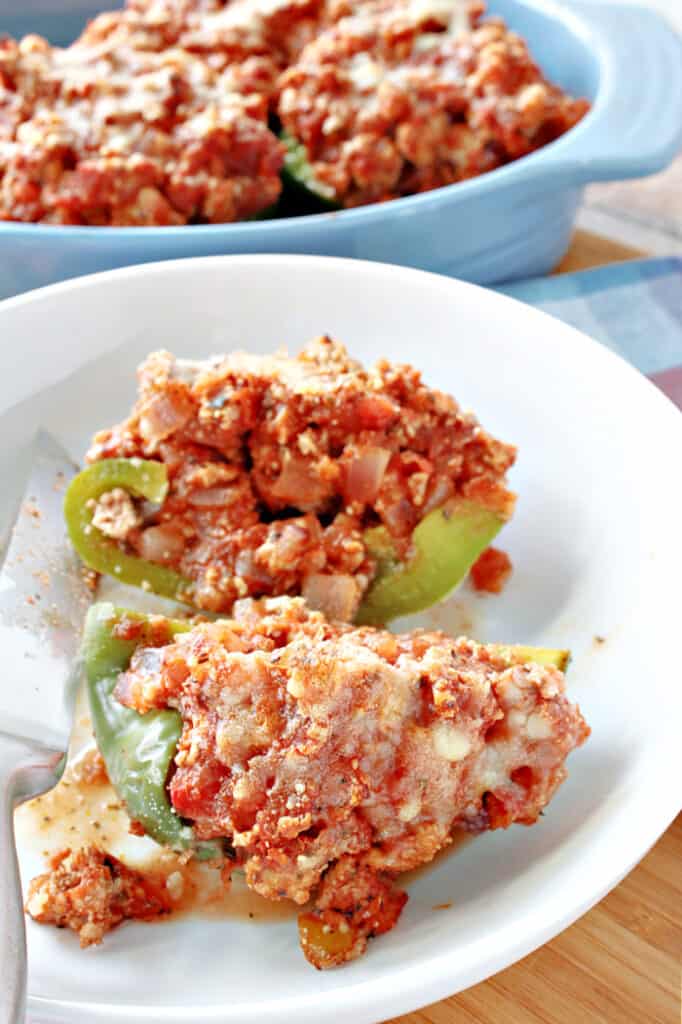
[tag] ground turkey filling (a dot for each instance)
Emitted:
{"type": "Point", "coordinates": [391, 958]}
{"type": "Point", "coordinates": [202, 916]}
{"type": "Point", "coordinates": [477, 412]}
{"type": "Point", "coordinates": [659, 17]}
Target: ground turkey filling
{"type": "Point", "coordinates": [167, 112]}
{"type": "Point", "coordinates": [277, 465]}
{"type": "Point", "coordinates": [334, 758]}
{"type": "Point", "coordinates": [92, 892]}
{"type": "Point", "coordinates": [388, 104]}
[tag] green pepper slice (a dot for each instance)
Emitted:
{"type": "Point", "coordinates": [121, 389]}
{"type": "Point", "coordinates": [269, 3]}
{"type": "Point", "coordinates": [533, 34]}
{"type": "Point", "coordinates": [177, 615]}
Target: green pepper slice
{"type": "Point", "coordinates": [143, 478]}
{"type": "Point", "coordinates": [303, 192]}
{"type": "Point", "coordinates": [550, 657]}
{"type": "Point", "coordinates": [445, 544]}
{"type": "Point", "coordinates": [137, 749]}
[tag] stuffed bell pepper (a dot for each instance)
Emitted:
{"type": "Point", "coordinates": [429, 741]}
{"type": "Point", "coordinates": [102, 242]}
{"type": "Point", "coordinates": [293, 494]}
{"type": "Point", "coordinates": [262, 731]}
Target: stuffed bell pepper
{"type": "Point", "coordinates": [363, 490]}
{"type": "Point", "coordinates": [322, 760]}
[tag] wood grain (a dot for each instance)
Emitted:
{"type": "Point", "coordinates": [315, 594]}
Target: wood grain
{"type": "Point", "coordinates": [590, 250]}
{"type": "Point", "coordinates": [620, 963]}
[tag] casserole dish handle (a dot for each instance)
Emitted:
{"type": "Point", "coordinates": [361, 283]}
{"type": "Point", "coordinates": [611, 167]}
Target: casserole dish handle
{"type": "Point", "coordinates": [635, 127]}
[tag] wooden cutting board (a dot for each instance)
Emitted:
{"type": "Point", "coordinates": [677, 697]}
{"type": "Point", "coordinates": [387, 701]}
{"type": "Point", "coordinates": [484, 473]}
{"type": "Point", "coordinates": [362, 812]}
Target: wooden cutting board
{"type": "Point", "coordinates": [620, 963]}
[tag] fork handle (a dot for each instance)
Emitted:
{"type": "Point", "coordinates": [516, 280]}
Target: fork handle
{"type": "Point", "coordinates": [26, 770]}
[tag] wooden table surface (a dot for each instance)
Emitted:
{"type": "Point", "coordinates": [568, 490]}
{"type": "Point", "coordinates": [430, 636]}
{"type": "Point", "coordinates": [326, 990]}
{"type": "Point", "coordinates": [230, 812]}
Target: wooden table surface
{"type": "Point", "coordinates": [620, 963]}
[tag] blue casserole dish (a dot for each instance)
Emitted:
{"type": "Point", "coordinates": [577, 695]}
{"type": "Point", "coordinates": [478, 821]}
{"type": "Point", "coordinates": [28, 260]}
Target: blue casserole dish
{"type": "Point", "coordinates": [513, 222]}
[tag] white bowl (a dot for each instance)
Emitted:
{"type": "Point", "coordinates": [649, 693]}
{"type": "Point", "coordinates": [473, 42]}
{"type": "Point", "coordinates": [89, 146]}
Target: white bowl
{"type": "Point", "coordinates": [595, 544]}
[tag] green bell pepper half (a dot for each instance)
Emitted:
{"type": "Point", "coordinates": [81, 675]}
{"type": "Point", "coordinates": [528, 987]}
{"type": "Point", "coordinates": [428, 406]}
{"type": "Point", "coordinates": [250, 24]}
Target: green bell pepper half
{"type": "Point", "coordinates": [142, 478]}
{"type": "Point", "coordinates": [445, 544]}
{"type": "Point", "coordinates": [137, 749]}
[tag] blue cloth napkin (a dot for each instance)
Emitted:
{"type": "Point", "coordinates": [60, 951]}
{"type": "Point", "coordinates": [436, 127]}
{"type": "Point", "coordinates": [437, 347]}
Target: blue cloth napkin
{"type": "Point", "coordinates": [634, 308]}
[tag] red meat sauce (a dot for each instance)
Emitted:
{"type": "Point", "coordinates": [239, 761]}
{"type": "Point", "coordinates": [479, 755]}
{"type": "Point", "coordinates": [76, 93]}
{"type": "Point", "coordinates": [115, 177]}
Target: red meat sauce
{"type": "Point", "coordinates": [109, 135]}
{"type": "Point", "coordinates": [158, 114]}
{"type": "Point", "coordinates": [399, 98]}
{"type": "Point", "coordinates": [277, 465]}
{"type": "Point", "coordinates": [138, 123]}
{"type": "Point", "coordinates": [491, 571]}
{"type": "Point", "coordinates": [91, 892]}
{"type": "Point", "coordinates": [335, 758]}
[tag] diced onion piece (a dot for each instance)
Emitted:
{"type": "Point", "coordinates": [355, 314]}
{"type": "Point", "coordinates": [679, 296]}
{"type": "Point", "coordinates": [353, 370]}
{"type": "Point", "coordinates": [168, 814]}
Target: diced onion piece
{"type": "Point", "coordinates": [299, 484]}
{"type": "Point", "coordinates": [439, 495]}
{"type": "Point", "coordinates": [337, 597]}
{"type": "Point", "coordinates": [164, 414]}
{"type": "Point", "coordinates": [163, 544]}
{"type": "Point", "coordinates": [211, 497]}
{"type": "Point", "coordinates": [365, 473]}
{"type": "Point", "coordinates": [254, 574]}
{"type": "Point", "coordinates": [400, 517]}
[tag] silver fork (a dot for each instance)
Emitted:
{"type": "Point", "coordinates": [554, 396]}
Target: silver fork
{"type": "Point", "coordinates": [43, 600]}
